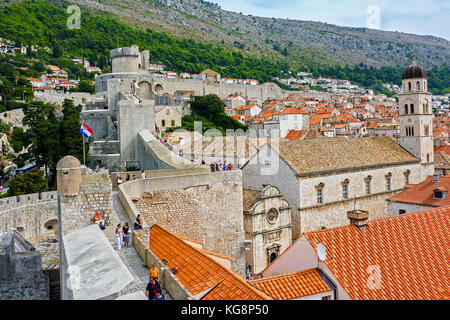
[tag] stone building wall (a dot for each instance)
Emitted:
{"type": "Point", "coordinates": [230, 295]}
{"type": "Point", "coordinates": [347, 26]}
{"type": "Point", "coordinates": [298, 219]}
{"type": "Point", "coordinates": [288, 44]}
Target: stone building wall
{"type": "Point", "coordinates": [394, 207]}
{"type": "Point", "coordinates": [311, 216]}
{"type": "Point", "coordinates": [206, 207]}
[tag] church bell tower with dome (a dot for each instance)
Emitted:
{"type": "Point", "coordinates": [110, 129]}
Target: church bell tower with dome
{"type": "Point", "coordinates": [416, 117]}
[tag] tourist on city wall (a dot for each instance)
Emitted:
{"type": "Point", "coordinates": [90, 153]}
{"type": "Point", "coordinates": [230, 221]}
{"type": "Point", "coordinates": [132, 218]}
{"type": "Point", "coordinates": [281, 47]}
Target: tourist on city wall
{"type": "Point", "coordinates": [152, 288]}
{"type": "Point", "coordinates": [154, 273]}
{"type": "Point", "coordinates": [134, 177]}
{"type": "Point", "coordinates": [98, 169]}
{"type": "Point", "coordinates": [126, 234]}
{"type": "Point", "coordinates": [119, 180]}
{"type": "Point", "coordinates": [128, 177]}
{"type": "Point", "coordinates": [230, 167]}
{"type": "Point", "coordinates": [138, 222]}
{"type": "Point", "coordinates": [143, 175]}
{"type": "Point", "coordinates": [98, 220]}
{"type": "Point", "coordinates": [159, 296]}
{"type": "Point", "coordinates": [119, 236]}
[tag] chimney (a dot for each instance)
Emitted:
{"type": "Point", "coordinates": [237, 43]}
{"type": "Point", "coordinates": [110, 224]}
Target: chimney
{"type": "Point", "coordinates": [359, 218]}
{"type": "Point", "coordinates": [435, 178]}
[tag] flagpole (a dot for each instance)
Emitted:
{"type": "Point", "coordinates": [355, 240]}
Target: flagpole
{"type": "Point", "coordinates": [84, 153]}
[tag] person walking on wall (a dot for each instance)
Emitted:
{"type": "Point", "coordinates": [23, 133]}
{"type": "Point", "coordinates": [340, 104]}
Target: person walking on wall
{"type": "Point", "coordinates": [119, 236]}
{"type": "Point", "coordinates": [154, 273]}
{"type": "Point", "coordinates": [126, 234]}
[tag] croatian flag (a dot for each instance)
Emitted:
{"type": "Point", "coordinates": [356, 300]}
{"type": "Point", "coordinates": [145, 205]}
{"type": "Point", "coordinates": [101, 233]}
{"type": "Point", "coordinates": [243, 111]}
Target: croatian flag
{"type": "Point", "coordinates": [86, 131]}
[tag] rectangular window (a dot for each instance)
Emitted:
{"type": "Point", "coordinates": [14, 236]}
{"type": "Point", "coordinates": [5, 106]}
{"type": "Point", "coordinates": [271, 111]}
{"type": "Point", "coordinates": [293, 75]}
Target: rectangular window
{"type": "Point", "coordinates": [367, 187]}
{"type": "Point", "coordinates": [172, 123]}
{"type": "Point", "coordinates": [407, 179]}
{"type": "Point", "coordinates": [345, 191]}
{"type": "Point", "coordinates": [167, 111]}
{"type": "Point", "coordinates": [401, 211]}
{"type": "Point", "coordinates": [163, 123]}
{"type": "Point", "coordinates": [319, 196]}
{"type": "Point", "coordinates": [388, 183]}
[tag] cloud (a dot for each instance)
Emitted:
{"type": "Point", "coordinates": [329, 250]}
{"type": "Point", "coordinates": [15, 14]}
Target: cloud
{"type": "Point", "coordinates": [410, 16]}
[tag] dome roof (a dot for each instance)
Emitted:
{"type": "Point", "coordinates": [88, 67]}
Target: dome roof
{"type": "Point", "coordinates": [68, 162]}
{"type": "Point", "coordinates": [414, 71]}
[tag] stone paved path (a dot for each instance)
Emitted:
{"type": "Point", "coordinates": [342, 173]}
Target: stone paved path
{"type": "Point", "coordinates": [129, 255]}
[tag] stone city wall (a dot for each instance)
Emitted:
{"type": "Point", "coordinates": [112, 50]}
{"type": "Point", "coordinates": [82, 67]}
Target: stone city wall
{"type": "Point", "coordinates": [58, 98]}
{"type": "Point", "coordinates": [198, 206]}
{"type": "Point", "coordinates": [29, 213]}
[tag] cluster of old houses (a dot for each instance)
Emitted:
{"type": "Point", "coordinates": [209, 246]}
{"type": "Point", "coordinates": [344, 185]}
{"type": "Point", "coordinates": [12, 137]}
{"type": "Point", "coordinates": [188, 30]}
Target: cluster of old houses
{"type": "Point", "coordinates": [347, 218]}
{"type": "Point", "coordinates": [56, 80]}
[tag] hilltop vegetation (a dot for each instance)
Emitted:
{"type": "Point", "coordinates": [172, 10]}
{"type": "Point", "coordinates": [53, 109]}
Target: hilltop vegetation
{"type": "Point", "coordinates": [39, 22]}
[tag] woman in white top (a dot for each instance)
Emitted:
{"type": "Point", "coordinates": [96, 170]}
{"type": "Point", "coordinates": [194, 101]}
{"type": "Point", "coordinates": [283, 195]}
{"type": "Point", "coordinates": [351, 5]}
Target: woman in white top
{"type": "Point", "coordinates": [143, 175]}
{"type": "Point", "coordinates": [119, 235]}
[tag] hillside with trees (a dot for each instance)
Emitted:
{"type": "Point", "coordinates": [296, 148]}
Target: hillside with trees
{"type": "Point", "coordinates": [39, 22]}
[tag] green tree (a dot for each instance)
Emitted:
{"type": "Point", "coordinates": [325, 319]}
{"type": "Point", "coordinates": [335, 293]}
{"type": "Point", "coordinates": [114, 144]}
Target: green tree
{"type": "Point", "coordinates": [6, 88]}
{"type": "Point", "coordinates": [207, 106]}
{"type": "Point", "coordinates": [43, 133]}
{"type": "Point", "coordinates": [86, 86]}
{"type": "Point", "coordinates": [71, 139]}
{"type": "Point", "coordinates": [30, 182]}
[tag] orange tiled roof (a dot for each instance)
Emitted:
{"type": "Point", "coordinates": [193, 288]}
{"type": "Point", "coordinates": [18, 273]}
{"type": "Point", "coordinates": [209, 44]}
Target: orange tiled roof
{"type": "Point", "coordinates": [317, 117]}
{"type": "Point", "coordinates": [198, 272]}
{"type": "Point", "coordinates": [443, 149]}
{"type": "Point", "coordinates": [412, 252]}
{"type": "Point", "coordinates": [294, 134]}
{"type": "Point", "coordinates": [292, 285]}
{"type": "Point", "coordinates": [293, 111]}
{"type": "Point", "coordinates": [422, 193]}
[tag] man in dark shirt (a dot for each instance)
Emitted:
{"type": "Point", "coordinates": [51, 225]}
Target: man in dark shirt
{"type": "Point", "coordinates": [151, 289]}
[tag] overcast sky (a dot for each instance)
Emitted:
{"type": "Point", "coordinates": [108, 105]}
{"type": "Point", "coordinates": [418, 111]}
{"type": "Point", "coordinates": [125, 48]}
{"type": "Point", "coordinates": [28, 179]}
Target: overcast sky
{"type": "Point", "coordinates": [424, 17]}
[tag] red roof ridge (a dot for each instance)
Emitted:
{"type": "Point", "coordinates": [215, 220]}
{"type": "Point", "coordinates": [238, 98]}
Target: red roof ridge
{"type": "Point", "coordinates": [231, 273]}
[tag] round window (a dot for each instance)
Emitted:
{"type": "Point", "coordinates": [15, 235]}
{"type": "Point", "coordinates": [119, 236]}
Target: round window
{"type": "Point", "coordinates": [272, 215]}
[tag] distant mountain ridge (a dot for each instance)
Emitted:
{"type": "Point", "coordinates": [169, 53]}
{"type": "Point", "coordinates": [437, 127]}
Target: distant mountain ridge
{"type": "Point", "coordinates": [291, 39]}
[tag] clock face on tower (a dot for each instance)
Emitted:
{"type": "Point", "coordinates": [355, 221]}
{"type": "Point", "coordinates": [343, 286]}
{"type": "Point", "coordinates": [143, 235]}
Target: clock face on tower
{"type": "Point", "coordinates": [272, 215]}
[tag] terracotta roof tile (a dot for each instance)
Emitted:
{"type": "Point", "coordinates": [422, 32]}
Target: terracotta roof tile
{"type": "Point", "coordinates": [198, 272]}
{"type": "Point", "coordinates": [292, 285]}
{"type": "Point", "coordinates": [294, 134]}
{"type": "Point", "coordinates": [422, 193]}
{"type": "Point", "coordinates": [412, 252]}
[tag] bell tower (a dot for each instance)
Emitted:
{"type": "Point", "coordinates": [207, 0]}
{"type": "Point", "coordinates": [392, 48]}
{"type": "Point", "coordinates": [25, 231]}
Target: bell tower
{"type": "Point", "coordinates": [416, 117]}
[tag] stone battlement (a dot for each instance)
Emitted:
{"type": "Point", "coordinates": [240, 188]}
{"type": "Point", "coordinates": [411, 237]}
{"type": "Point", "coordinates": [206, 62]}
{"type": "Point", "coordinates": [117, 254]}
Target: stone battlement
{"type": "Point", "coordinates": [120, 52]}
{"type": "Point", "coordinates": [27, 199]}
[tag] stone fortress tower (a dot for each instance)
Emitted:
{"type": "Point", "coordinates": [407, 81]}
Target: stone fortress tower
{"type": "Point", "coordinates": [416, 117]}
{"type": "Point", "coordinates": [129, 59]}
{"type": "Point", "coordinates": [127, 99]}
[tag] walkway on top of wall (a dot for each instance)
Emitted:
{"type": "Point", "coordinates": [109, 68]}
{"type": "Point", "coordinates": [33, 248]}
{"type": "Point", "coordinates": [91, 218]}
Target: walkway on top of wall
{"type": "Point", "coordinates": [129, 255]}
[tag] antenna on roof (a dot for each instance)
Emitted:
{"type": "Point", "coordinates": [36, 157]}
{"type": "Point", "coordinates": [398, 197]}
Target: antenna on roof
{"type": "Point", "coordinates": [321, 252]}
